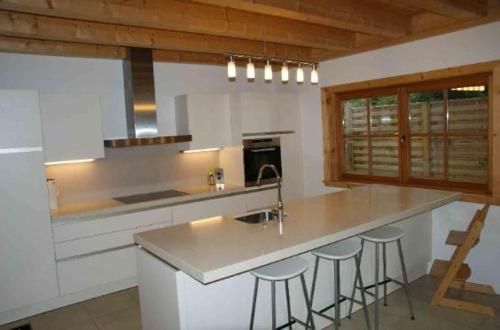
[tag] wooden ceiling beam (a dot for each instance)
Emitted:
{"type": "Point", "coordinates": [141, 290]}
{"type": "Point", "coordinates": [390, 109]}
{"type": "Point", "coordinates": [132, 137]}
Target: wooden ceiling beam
{"type": "Point", "coordinates": [183, 16]}
{"type": "Point", "coordinates": [58, 29]}
{"type": "Point", "coordinates": [457, 9]}
{"type": "Point", "coordinates": [334, 13]}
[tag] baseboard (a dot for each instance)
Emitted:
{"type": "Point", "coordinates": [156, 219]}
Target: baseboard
{"type": "Point", "coordinates": [61, 301]}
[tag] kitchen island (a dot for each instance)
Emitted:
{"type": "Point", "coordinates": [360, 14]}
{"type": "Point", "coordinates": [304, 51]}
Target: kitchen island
{"type": "Point", "coordinates": [195, 275]}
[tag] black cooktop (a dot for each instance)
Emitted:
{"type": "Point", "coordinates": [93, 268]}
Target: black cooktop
{"type": "Point", "coordinates": [150, 196]}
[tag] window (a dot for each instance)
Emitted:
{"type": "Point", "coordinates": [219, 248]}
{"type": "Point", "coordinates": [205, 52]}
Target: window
{"type": "Point", "coordinates": [428, 134]}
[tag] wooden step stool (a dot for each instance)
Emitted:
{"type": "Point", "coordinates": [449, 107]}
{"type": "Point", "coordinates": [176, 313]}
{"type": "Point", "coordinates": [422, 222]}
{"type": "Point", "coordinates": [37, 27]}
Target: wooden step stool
{"type": "Point", "coordinates": [454, 273]}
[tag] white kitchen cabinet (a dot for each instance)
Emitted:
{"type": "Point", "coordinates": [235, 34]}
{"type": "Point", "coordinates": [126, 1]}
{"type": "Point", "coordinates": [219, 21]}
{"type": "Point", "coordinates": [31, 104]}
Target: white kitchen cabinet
{"type": "Point", "coordinates": [271, 112]}
{"type": "Point", "coordinates": [27, 264]}
{"type": "Point", "coordinates": [204, 209]}
{"type": "Point", "coordinates": [261, 199]}
{"type": "Point", "coordinates": [71, 126]}
{"type": "Point", "coordinates": [207, 118]}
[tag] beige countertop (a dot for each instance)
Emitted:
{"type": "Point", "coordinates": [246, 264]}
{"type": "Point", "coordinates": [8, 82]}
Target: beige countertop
{"type": "Point", "coordinates": [215, 248]}
{"type": "Point", "coordinates": [85, 211]}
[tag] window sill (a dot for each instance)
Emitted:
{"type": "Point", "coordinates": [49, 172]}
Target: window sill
{"type": "Point", "coordinates": [466, 196]}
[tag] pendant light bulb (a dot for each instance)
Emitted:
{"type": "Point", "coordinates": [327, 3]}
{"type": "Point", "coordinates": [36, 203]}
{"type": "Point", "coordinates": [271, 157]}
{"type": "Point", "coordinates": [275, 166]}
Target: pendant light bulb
{"type": "Point", "coordinates": [300, 74]}
{"type": "Point", "coordinates": [314, 75]}
{"type": "Point", "coordinates": [250, 70]}
{"type": "Point", "coordinates": [284, 73]}
{"type": "Point", "coordinates": [268, 72]}
{"type": "Point", "coordinates": [231, 68]}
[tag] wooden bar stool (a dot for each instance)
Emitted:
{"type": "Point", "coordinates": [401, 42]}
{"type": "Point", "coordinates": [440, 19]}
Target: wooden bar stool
{"type": "Point", "coordinates": [383, 236]}
{"type": "Point", "coordinates": [284, 270]}
{"type": "Point", "coordinates": [338, 252]}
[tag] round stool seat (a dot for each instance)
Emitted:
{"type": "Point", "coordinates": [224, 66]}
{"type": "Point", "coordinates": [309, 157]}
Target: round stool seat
{"type": "Point", "coordinates": [282, 270]}
{"type": "Point", "coordinates": [383, 235]}
{"type": "Point", "coordinates": [340, 250]}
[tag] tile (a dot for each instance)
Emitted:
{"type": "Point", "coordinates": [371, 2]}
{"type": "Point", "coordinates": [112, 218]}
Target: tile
{"type": "Point", "coordinates": [127, 319]}
{"type": "Point", "coordinates": [62, 318]}
{"type": "Point", "coordinates": [489, 324]}
{"type": "Point", "coordinates": [14, 324]}
{"type": "Point", "coordinates": [428, 322]}
{"type": "Point", "coordinates": [87, 325]}
{"type": "Point", "coordinates": [134, 292]}
{"type": "Point", "coordinates": [109, 303]}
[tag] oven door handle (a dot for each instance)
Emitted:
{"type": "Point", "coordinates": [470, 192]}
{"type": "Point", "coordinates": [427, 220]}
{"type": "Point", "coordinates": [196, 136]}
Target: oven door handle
{"type": "Point", "coordinates": [263, 150]}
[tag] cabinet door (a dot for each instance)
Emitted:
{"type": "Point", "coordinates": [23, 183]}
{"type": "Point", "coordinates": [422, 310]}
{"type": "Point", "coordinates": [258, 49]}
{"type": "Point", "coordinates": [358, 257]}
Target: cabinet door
{"type": "Point", "coordinates": [72, 126]}
{"type": "Point", "coordinates": [259, 113]}
{"type": "Point", "coordinates": [289, 110]}
{"type": "Point", "coordinates": [198, 210]}
{"type": "Point", "coordinates": [261, 199]}
{"type": "Point", "coordinates": [19, 119]}
{"type": "Point", "coordinates": [27, 264]}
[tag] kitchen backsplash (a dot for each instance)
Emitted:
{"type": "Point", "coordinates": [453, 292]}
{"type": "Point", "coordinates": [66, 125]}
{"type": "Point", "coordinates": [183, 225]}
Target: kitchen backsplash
{"type": "Point", "coordinates": [131, 171]}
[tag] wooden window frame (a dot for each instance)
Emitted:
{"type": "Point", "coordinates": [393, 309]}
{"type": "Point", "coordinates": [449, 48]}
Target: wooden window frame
{"type": "Point", "coordinates": [483, 73]}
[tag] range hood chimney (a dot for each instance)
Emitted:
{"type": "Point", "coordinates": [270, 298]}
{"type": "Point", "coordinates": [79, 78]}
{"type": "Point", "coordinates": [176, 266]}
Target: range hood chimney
{"type": "Point", "coordinates": [140, 103]}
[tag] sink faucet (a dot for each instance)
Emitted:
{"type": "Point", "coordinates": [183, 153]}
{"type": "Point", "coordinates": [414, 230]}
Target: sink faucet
{"type": "Point", "coordinates": [278, 177]}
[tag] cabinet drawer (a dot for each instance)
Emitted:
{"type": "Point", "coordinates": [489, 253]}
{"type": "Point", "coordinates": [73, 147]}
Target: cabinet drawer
{"type": "Point", "coordinates": [261, 199]}
{"type": "Point", "coordinates": [82, 246]}
{"type": "Point", "coordinates": [71, 231]}
{"type": "Point", "coordinates": [187, 212]}
{"type": "Point", "coordinates": [95, 270]}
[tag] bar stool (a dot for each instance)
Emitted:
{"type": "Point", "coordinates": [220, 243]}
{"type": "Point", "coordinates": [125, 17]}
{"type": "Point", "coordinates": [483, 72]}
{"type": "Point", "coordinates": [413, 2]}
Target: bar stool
{"type": "Point", "coordinates": [383, 236]}
{"type": "Point", "coordinates": [337, 252]}
{"type": "Point", "coordinates": [284, 270]}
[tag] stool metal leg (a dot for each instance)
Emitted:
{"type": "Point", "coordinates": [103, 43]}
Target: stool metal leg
{"type": "Point", "coordinates": [384, 256]}
{"type": "Point", "coordinates": [288, 308]}
{"type": "Point", "coordinates": [363, 296]}
{"type": "Point", "coordinates": [256, 288]}
{"type": "Point", "coordinates": [337, 293]}
{"type": "Point", "coordinates": [306, 298]}
{"type": "Point", "coordinates": [273, 303]}
{"type": "Point", "coordinates": [355, 280]}
{"type": "Point", "coordinates": [376, 284]}
{"type": "Point", "coordinates": [405, 280]}
{"type": "Point", "coordinates": [313, 287]}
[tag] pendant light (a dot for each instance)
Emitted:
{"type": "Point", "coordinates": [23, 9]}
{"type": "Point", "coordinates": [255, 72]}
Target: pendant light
{"type": "Point", "coordinates": [314, 75]}
{"type": "Point", "coordinates": [268, 72]}
{"type": "Point", "coordinates": [284, 73]}
{"type": "Point", "coordinates": [300, 74]}
{"type": "Point", "coordinates": [231, 68]}
{"type": "Point", "coordinates": [250, 70]}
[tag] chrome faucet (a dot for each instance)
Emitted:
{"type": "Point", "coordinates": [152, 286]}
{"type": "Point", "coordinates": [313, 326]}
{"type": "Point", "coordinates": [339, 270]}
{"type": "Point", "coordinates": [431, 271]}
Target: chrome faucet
{"type": "Point", "coordinates": [278, 177]}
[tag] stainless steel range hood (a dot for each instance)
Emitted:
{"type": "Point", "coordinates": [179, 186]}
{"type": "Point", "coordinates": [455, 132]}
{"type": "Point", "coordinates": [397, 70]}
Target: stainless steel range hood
{"type": "Point", "coordinates": [140, 103]}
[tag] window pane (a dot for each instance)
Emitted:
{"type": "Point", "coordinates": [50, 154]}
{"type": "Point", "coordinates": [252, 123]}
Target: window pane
{"type": "Point", "coordinates": [468, 159]}
{"type": "Point", "coordinates": [356, 155]}
{"type": "Point", "coordinates": [427, 112]}
{"type": "Point", "coordinates": [384, 114]}
{"type": "Point", "coordinates": [355, 117]}
{"type": "Point", "coordinates": [385, 156]}
{"type": "Point", "coordinates": [468, 110]}
{"type": "Point", "coordinates": [427, 157]}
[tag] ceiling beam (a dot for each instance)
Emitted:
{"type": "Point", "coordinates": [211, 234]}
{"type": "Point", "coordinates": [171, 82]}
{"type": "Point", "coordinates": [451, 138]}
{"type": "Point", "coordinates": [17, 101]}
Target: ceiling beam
{"type": "Point", "coordinates": [183, 16]}
{"type": "Point", "coordinates": [457, 9]}
{"type": "Point", "coordinates": [334, 13]}
{"type": "Point", "coordinates": [58, 29]}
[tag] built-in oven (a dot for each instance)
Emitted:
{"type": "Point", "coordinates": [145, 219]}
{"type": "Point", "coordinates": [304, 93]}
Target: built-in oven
{"type": "Point", "coordinates": [258, 152]}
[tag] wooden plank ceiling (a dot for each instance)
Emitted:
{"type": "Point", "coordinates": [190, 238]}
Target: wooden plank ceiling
{"type": "Point", "coordinates": [202, 31]}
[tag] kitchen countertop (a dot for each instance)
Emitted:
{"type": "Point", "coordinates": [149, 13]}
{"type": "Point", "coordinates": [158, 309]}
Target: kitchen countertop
{"type": "Point", "coordinates": [215, 248]}
{"type": "Point", "coordinates": [71, 213]}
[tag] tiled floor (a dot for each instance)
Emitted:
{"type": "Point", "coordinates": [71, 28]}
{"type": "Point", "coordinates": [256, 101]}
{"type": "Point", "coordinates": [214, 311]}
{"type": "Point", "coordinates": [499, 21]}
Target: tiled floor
{"type": "Point", "coordinates": [120, 311]}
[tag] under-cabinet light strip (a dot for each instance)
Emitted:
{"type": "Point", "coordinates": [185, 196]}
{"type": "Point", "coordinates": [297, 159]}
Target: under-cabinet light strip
{"type": "Point", "coordinates": [76, 161]}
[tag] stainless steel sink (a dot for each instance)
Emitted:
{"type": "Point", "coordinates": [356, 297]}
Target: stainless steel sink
{"type": "Point", "coordinates": [258, 216]}
{"type": "Point", "coordinates": [150, 196]}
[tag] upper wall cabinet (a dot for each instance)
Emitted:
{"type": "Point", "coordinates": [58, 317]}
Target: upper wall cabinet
{"type": "Point", "coordinates": [207, 118]}
{"type": "Point", "coordinates": [72, 126]}
{"type": "Point", "coordinates": [271, 112]}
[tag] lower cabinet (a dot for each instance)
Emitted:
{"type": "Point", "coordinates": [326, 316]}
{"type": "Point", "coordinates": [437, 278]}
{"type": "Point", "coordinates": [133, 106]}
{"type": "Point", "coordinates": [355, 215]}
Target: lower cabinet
{"type": "Point", "coordinates": [97, 269]}
{"type": "Point", "coordinates": [209, 208]}
{"type": "Point", "coordinates": [260, 199]}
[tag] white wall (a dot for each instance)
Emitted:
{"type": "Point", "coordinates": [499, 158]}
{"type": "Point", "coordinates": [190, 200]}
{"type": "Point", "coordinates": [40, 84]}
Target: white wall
{"type": "Point", "coordinates": [479, 44]}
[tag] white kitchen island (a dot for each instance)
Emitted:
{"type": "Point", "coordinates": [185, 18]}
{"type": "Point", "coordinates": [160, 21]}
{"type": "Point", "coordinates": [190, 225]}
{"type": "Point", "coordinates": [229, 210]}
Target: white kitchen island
{"type": "Point", "coordinates": [195, 275]}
